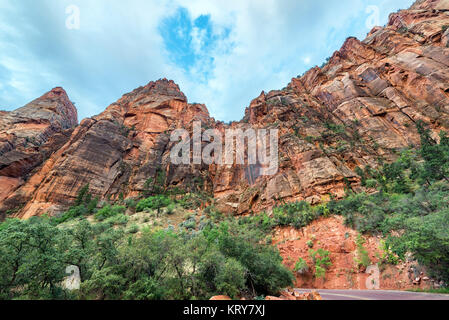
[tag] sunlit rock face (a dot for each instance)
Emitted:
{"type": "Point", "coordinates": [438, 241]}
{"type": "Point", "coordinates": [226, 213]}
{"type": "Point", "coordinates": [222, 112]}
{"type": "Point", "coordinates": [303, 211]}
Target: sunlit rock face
{"type": "Point", "coordinates": [28, 137]}
{"type": "Point", "coordinates": [357, 110]}
{"type": "Point", "coordinates": [115, 152]}
{"type": "Point", "coordinates": [361, 107]}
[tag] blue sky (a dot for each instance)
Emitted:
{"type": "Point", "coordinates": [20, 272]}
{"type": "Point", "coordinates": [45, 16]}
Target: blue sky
{"type": "Point", "coordinates": [221, 53]}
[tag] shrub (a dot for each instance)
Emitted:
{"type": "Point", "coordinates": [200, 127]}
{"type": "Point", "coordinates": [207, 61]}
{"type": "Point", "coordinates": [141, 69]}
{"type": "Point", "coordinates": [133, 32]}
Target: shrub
{"type": "Point", "coordinates": [362, 259]}
{"type": "Point", "coordinates": [387, 254]}
{"type": "Point", "coordinates": [32, 259]}
{"type": "Point", "coordinates": [109, 211]}
{"type": "Point", "coordinates": [231, 278]}
{"type": "Point", "coordinates": [171, 209]}
{"type": "Point", "coordinates": [213, 213]}
{"type": "Point", "coordinates": [153, 203]}
{"type": "Point", "coordinates": [298, 214]}
{"type": "Point", "coordinates": [72, 213]}
{"type": "Point", "coordinates": [133, 229]}
{"type": "Point", "coordinates": [192, 201]}
{"type": "Point", "coordinates": [310, 244]}
{"type": "Point", "coordinates": [131, 203]}
{"type": "Point", "coordinates": [371, 183]}
{"type": "Point", "coordinates": [119, 219]}
{"type": "Point", "coordinates": [189, 224]}
{"type": "Point", "coordinates": [321, 261]}
{"type": "Point", "coordinates": [301, 266]}
{"type": "Point", "coordinates": [231, 258]}
{"type": "Point", "coordinates": [145, 289]}
{"type": "Point", "coordinates": [84, 205]}
{"type": "Point", "coordinates": [266, 274]}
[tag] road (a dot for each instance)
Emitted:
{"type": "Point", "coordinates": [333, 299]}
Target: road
{"type": "Point", "coordinates": [375, 295]}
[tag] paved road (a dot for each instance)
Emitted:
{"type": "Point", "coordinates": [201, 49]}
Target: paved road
{"type": "Point", "coordinates": [375, 295]}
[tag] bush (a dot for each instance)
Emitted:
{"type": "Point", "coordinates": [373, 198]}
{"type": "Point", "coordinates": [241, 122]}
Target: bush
{"type": "Point", "coordinates": [427, 238]}
{"type": "Point", "coordinates": [144, 289]}
{"type": "Point", "coordinates": [32, 259]}
{"type": "Point", "coordinates": [109, 211]}
{"type": "Point", "coordinates": [153, 203]}
{"type": "Point", "coordinates": [192, 201]}
{"type": "Point", "coordinates": [298, 214]}
{"type": "Point", "coordinates": [131, 203]}
{"type": "Point", "coordinates": [301, 266]}
{"type": "Point", "coordinates": [231, 278]}
{"type": "Point", "coordinates": [133, 229]}
{"type": "Point", "coordinates": [371, 183]}
{"type": "Point", "coordinates": [321, 261]}
{"type": "Point", "coordinates": [362, 259]}
{"type": "Point", "coordinates": [188, 224]}
{"type": "Point", "coordinates": [84, 205]}
{"type": "Point", "coordinates": [266, 273]}
{"type": "Point", "coordinates": [118, 220]}
{"type": "Point", "coordinates": [228, 258]}
{"type": "Point", "coordinates": [171, 209]}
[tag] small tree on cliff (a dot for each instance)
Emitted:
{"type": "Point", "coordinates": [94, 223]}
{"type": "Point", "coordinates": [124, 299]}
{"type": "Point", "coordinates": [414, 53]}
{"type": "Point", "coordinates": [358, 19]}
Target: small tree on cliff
{"type": "Point", "coordinates": [155, 186]}
{"type": "Point", "coordinates": [436, 156]}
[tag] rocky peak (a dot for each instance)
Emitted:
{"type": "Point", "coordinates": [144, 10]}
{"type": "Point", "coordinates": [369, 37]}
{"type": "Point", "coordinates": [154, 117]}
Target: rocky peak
{"type": "Point", "coordinates": [160, 89]}
{"type": "Point", "coordinates": [54, 107]}
{"type": "Point", "coordinates": [30, 135]}
{"type": "Point", "coordinates": [56, 92]}
{"type": "Point", "coordinates": [166, 87]}
{"type": "Point", "coordinates": [430, 4]}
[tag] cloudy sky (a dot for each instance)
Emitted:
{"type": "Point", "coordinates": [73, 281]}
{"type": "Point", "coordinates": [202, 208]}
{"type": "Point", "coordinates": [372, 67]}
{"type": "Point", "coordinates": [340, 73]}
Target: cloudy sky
{"type": "Point", "coordinates": [221, 53]}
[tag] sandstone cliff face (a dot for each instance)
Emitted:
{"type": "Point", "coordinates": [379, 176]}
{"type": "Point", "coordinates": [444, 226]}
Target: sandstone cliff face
{"type": "Point", "coordinates": [332, 235]}
{"type": "Point", "coordinates": [358, 110]}
{"type": "Point", "coordinates": [28, 136]}
{"type": "Point", "coordinates": [117, 151]}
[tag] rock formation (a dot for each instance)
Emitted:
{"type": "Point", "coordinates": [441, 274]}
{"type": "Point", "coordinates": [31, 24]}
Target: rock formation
{"type": "Point", "coordinates": [115, 152]}
{"type": "Point", "coordinates": [28, 137]}
{"type": "Point", "coordinates": [358, 109]}
{"type": "Point", "coordinates": [340, 241]}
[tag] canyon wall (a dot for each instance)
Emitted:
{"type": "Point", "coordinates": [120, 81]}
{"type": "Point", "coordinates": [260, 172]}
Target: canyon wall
{"type": "Point", "coordinates": [359, 109]}
{"type": "Point", "coordinates": [28, 137]}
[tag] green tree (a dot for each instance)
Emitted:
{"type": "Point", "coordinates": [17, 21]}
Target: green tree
{"type": "Point", "coordinates": [436, 156]}
{"type": "Point", "coordinates": [32, 260]}
{"type": "Point", "coordinates": [155, 203]}
{"type": "Point", "coordinates": [231, 278]}
{"type": "Point", "coordinates": [321, 261]}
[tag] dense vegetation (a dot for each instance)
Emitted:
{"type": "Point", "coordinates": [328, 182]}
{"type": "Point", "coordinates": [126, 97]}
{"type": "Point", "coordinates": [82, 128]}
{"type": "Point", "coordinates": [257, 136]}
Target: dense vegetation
{"type": "Point", "coordinates": [412, 199]}
{"type": "Point", "coordinates": [227, 258]}
{"type": "Point", "coordinates": [200, 257]}
{"type": "Point", "coordinates": [407, 203]}
{"type": "Point", "coordinates": [208, 254]}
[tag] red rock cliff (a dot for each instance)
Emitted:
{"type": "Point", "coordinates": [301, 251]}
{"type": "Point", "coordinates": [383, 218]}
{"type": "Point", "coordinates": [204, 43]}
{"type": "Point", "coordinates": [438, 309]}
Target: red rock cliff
{"type": "Point", "coordinates": [358, 109]}
{"type": "Point", "coordinates": [28, 136]}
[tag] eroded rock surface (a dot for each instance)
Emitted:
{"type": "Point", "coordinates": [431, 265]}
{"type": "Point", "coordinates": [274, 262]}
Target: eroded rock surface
{"type": "Point", "coordinates": [357, 110]}
{"type": "Point", "coordinates": [332, 235]}
{"type": "Point", "coordinates": [361, 107]}
{"type": "Point", "coordinates": [117, 151]}
{"type": "Point", "coordinates": [28, 137]}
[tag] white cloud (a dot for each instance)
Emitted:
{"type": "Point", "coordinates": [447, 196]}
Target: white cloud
{"type": "Point", "coordinates": [307, 60]}
{"type": "Point", "coordinates": [272, 43]}
{"type": "Point", "coordinates": [119, 48]}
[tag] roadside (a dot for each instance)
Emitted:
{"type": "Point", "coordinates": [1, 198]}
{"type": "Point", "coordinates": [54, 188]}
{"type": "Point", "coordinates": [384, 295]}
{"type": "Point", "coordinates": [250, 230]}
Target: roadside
{"type": "Point", "coordinates": [375, 295]}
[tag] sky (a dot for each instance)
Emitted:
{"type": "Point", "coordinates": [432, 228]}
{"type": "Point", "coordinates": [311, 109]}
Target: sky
{"type": "Point", "coordinates": [221, 53]}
